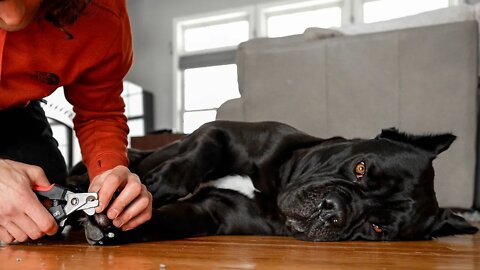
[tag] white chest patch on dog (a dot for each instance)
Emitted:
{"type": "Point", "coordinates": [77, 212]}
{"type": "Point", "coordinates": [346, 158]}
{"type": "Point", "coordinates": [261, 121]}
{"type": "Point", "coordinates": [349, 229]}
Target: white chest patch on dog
{"type": "Point", "coordinates": [241, 184]}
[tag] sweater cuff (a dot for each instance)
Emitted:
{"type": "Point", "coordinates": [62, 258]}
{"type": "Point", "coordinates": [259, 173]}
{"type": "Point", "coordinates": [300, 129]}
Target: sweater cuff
{"type": "Point", "coordinates": [105, 162]}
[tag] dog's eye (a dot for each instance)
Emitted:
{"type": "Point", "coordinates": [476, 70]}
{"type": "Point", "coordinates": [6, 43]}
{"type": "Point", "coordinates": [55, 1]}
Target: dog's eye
{"type": "Point", "coordinates": [377, 228]}
{"type": "Point", "coordinates": [360, 170]}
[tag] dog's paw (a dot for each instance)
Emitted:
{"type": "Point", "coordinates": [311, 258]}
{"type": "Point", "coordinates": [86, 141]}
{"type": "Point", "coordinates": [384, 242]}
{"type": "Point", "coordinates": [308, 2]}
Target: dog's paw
{"type": "Point", "coordinates": [99, 230]}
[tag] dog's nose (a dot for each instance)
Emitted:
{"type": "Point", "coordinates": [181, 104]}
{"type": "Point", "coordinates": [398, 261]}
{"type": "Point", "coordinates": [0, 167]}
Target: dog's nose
{"type": "Point", "coordinates": [333, 210]}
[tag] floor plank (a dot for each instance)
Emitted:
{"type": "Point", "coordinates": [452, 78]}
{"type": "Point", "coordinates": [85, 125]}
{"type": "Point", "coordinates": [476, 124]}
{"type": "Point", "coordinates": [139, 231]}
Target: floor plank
{"type": "Point", "coordinates": [244, 252]}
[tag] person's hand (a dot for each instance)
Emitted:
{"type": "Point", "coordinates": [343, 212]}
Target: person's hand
{"type": "Point", "coordinates": [22, 216]}
{"type": "Point", "coordinates": [132, 207]}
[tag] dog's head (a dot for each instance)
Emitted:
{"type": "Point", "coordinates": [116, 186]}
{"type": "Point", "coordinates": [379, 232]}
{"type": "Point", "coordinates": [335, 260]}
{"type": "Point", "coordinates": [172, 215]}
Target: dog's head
{"type": "Point", "coordinates": [378, 189]}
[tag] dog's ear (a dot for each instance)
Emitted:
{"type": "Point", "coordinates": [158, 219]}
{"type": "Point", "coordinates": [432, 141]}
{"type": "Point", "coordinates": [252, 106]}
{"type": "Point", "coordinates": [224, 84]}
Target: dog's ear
{"type": "Point", "coordinates": [436, 143]}
{"type": "Point", "coordinates": [448, 223]}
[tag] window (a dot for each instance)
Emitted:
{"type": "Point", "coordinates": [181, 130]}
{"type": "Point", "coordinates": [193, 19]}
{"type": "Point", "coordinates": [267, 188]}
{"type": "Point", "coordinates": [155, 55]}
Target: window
{"type": "Point", "coordinates": [204, 45]}
{"type": "Point", "coordinates": [205, 57]}
{"type": "Point", "coordinates": [132, 96]}
{"type": "Point", "coordinates": [60, 116]}
{"type": "Point", "coordinates": [381, 10]}
{"type": "Point", "coordinates": [63, 134]}
{"type": "Point", "coordinates": [215, 36]}
{"type": "Point", "coordinates": [138, 109]}
{"type": "Point", "coordinates": [206, 89]}
{"type": "Point", "coordinates": [294, 18]}
{"type": "Point", "coordinates": [213, 32]}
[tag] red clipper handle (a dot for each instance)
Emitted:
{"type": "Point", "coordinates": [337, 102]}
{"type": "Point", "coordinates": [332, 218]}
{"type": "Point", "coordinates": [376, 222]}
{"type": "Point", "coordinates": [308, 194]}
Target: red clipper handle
{"type": "Point", "coordinates": [42, 188]}
{"type": "Point", "coordinates": [52, 192]}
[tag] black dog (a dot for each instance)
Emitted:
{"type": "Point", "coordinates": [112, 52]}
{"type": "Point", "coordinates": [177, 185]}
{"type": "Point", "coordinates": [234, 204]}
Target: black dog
{"type": "Point", "coordinates": [313, 189]}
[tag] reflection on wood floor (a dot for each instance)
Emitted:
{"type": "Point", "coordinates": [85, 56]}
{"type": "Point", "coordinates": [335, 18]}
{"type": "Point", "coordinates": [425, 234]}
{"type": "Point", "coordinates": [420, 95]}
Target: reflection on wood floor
{"type": "Point", "coordinates": [244, 252]}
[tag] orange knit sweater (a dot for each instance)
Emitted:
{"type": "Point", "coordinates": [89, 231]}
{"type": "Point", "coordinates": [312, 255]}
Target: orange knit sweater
{"type": "Point", "coordinates": [40, 58]}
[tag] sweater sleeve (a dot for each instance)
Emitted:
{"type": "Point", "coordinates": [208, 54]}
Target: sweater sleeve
{"type": "Point", "coordinates": [99, 122]}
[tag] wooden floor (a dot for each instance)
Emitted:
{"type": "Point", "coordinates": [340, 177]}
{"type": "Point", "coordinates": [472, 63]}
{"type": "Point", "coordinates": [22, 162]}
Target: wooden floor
{"type": "Point", "coordinates": [245, 252]}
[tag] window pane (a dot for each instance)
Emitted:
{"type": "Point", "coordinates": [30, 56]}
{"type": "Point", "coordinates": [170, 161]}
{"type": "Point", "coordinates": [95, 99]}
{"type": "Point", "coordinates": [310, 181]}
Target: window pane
{"type": "Point", "coordinates": [133, 97]}
{"type": "Point", "coordinates": [382, 10]}
{"type": "Point", "coordinates": [193, 120]}
{"type": "Point", "coordinates": [60, 133]}
{"type": "Point", "coordinates": [296, 23]}
{"type": "Point", "coordinates": [130, 88]}
{"type": "Point", "coordinates": [215, 36]}
{"type": "Point", "coordinates": [137, 127]}
{"type": "Point", "coordinates": [77, 154]}
{"type": "Point", "coordinates": [134, 105]}
{"type": "Point", "coordinates": [209, 87]}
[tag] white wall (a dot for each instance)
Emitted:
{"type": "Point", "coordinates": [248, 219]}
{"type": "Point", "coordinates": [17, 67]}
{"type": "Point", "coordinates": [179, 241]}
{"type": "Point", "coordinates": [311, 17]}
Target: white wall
{"type": "Point", "coordinates": [152, 33]}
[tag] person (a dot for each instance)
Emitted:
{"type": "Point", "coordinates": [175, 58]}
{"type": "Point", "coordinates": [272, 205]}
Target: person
{"type": "Point", "coordinates": [86, 47]}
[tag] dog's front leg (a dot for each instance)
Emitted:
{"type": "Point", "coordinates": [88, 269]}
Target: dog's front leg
{"type": "Point", "coordinates": [210, 211]}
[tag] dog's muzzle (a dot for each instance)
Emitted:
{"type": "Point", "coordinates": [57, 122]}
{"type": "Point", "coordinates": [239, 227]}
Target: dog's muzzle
{"type": "Point", "coordinates": [318, 211]}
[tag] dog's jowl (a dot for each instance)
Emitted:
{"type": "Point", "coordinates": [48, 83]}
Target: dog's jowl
{"type": "Point", "coordinates": [311, 188]}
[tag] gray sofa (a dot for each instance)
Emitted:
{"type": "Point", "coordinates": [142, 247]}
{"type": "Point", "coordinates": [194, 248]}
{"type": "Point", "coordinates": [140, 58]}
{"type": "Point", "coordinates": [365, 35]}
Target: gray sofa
{"type": "Point", "coordinates": [421, 79]}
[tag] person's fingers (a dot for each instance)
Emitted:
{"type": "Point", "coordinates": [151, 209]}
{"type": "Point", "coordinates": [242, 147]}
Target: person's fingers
{"type": "Point", "coordinates": [5, 236]}
{"type": "Point", "coordinates": [114, 180]}
{"type": "Point", "coordinates": [16, 232]}
{"type": "Point", "coordinates": [129, 193]}
{"type": "Point", "coordinates": [97, 182]}
{"type": "Point", "coordinates": [37, 175]}
{"type": "Point", "coordinates": [139, 210]}
{"type": "Point", "coordinates": [28, 226]}
{"type": "Point", "coordinates": [21, 213]}
{"type": "Point", "coordinates": [138, 220]}
{"type": "Point", "coordinates": [41, 217]}
{"type": "Point", "coordinates": [95, 186]}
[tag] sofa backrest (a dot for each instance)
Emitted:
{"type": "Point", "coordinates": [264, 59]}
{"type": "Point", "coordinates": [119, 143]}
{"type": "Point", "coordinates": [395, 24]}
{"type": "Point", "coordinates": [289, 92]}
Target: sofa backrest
{"type": "Point", "coordinates": [420, 80]}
